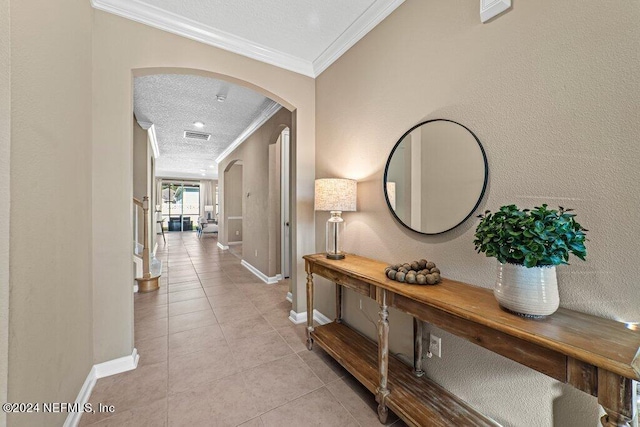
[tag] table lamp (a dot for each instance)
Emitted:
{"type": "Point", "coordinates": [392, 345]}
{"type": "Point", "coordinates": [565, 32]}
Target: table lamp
{"type": "Point", "coordinates": [208, 209]}
{"type": "Point", "coordinates": [335, 195]}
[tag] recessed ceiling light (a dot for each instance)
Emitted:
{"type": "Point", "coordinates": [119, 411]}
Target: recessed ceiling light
{"type": "Point", "coordinates": [221, 98]}
{"type": "Point", "coordinates": [212, 166]}
{"type": "Point", "coordinates": [198, 124]}
{"type": "Point", "coordinates": [203, 170]}
{"type": "Point", "coordinates": [203, 174]}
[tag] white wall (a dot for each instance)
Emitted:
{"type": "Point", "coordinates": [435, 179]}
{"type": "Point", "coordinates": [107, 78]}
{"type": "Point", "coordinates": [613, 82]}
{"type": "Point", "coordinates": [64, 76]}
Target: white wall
{"type": "Point", "coordinates": [551, 89]}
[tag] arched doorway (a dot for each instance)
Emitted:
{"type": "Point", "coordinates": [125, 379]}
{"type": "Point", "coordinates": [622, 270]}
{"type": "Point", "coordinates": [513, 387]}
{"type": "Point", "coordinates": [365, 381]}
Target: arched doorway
{"type": "Point", "coordinates": [112, 162]}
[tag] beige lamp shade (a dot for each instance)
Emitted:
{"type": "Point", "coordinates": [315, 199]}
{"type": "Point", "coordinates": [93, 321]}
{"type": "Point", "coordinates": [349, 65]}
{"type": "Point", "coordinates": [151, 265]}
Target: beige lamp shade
{"type": "Point", "coordinates": [335, 194]}
{"type": "Point", "coordinates": [208, 208]}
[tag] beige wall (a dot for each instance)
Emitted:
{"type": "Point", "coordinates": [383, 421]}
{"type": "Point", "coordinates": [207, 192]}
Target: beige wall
{"type": "Point", "coordinates": [233, 201]}
{"type": "Point", "coordinates": [50, 342]}
{"type": "Point", "coordinates": [254, 154]}
{"type": "Point", "coordinates": [5, 179]}
{"type": "Point", "coordinates": [151, 179]}
{"type": "Point", "coordinates": [122, 48]}
{"type": "Point", "coordinates": [144, 180]}
{"type": "Point", "coordinates": [551, 90]}
{"type": "Point", "coordinates": [141, 171]}
{"type": "Point", "coordinates": [274, 203]}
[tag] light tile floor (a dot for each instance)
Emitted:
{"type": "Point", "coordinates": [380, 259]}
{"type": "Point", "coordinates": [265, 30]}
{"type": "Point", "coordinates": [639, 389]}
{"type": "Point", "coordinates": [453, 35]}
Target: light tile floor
{"type": "Point", "coordinates": [217, 349]}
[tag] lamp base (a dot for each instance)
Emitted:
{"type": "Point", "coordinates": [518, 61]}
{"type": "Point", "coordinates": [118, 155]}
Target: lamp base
{"type": "Point", "coordinates": [335, 256]}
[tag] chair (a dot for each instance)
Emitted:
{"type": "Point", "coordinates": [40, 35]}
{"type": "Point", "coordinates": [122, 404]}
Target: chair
{"type": "Point", "coordinates": [206, 227]}
{"type": "Point", "coordinates": [187, 224]}
{"type": "Point", "coordinates": [174, 223]}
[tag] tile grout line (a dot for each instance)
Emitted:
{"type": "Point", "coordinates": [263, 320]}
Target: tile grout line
{"type": "Point", "coordinates": [229, 281]}
{"type": "Point", "coordinates": [285, 340]}
{"type": "Point", "coordinates": [293, 400]}
{"type": "Point", "coordinates": [341, 404]}
{"type": "Point", "coordinates": [168, 366]}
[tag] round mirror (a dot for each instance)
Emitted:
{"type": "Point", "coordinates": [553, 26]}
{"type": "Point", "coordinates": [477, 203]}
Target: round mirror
{"type": "Point", "coordinates": [435, 176]}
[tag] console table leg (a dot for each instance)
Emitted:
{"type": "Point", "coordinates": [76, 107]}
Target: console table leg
{"type": "Point", "coordinates": [309, 310]}
{"type": "Point", "coordinates": [617, 396]}
{"type": "Point", "coordinates": [383, 356]}
{"type": "Point", "coordinates": [383, 411]}
{"type": "Point", "coordinates": [611, 419]}
{"type": "Point", "coordinates": [338, 303]}
{"type": "Point", "coordinates": [417, 347]}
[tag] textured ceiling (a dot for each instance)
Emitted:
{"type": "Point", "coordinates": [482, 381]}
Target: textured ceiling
{"type": "Point", "coordinates": [174, 102]}
{"type": "Point", "coordinates": [302, 28]}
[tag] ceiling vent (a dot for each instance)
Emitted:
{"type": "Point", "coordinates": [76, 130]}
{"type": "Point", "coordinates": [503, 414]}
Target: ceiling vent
{"type": "Point", "coordinates": [197, 135]}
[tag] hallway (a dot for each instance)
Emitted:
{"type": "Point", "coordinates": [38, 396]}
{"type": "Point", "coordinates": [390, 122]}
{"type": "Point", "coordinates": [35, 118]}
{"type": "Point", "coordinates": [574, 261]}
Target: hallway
{"type": "Point", "coordinates": [217, 349]}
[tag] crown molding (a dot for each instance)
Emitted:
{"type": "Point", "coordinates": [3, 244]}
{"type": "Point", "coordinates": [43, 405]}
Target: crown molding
{"type": "Point", "coordinates": [139, 11]}
{"type": "Point", "coordinates": [153, 138]}
{"type": "Point", "coordinates": [371, 17]}
{"type": "Point", "coordinates": [268, 112]}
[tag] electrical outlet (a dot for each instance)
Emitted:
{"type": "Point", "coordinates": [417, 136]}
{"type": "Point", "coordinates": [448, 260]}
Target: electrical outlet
{"type": "Point", "coordinates": [435, 345]}
{"type": "Point", "coordinates": [237, 232]}
{"type": "Point", "coordinates": [360, 303]}
{"type": "Point", "coordinates": [256, 252]}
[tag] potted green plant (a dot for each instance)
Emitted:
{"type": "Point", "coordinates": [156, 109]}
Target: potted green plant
{"type": "Point", "coordinates": [528, 245]}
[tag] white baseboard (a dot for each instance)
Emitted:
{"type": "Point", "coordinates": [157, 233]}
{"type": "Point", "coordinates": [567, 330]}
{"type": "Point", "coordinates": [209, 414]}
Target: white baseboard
{"type": "Point", "coordinates": [138, 263]}
{"type": "Point", "coordinates": [117, 366]}
{"type": "Point", "coordinates": [234, 243]}
{"type": "Point", "coordinates": [278, 277]}
{"type": "Point", "coordinates": [259, 274]}
{"type": "Point", "coordinates": [290, 297]}
{"type": "Point", "coordinates": [299, 318]}
{"type": "Point", "coordinates": [223, 247]}
{"type": "Point", "coordinates": [73, 419]}
{"type": "Point", "coordinates": [320, 318]}
{"type": "Point", "coordinates": [101, 370]}
{"type": "Point", "coordinates": [155, 249]}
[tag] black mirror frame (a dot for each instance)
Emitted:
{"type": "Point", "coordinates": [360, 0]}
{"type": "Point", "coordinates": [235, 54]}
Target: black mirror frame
{"type": "Point", "coordinates": [386, 170]}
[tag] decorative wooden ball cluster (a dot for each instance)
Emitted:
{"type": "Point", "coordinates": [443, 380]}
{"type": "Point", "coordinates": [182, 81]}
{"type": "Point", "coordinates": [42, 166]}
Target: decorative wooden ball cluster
{"type": "Point", "coordinates": [421, 272]}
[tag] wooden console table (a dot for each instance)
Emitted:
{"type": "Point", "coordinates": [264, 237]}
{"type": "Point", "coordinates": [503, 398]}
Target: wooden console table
{"type": "Point", "coordinates": [597, 356]}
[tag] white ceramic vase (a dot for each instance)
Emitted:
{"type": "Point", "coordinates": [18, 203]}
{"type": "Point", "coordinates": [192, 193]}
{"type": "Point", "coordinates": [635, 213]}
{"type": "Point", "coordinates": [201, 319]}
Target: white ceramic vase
{"type": "Point", "coordinates": [529, 292]}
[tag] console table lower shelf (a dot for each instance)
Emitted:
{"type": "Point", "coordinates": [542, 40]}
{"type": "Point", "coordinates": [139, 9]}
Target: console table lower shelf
{"type": "Point", "coordinates": [600, 357]}
{"type": "Point", "coordinates": [418, 401]}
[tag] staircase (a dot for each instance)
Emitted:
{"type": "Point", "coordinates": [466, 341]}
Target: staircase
{"type": "Point", "coordinates": [148, 268]}
{"type": "Point", "coordinates": [155, 265]}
